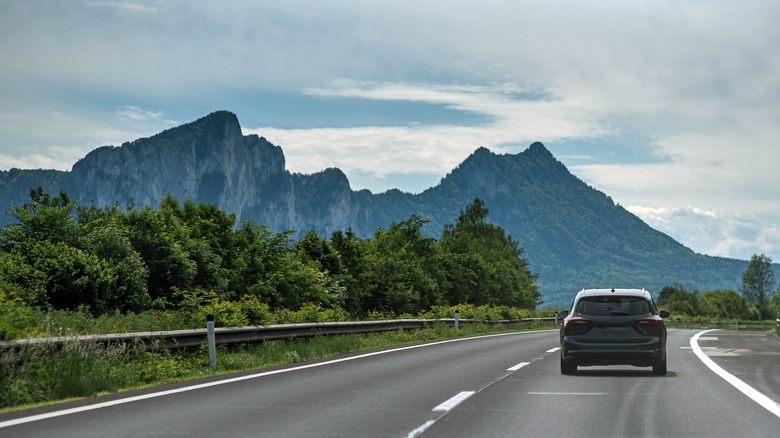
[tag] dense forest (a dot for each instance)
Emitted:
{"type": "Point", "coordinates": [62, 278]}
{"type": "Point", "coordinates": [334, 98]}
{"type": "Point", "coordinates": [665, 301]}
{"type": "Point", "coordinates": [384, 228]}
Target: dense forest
{"type": "Point", "coordinates": [58, 254]}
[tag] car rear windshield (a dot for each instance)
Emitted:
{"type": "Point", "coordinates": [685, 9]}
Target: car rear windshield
{"type": "Point", "coordinates": [612, 305]}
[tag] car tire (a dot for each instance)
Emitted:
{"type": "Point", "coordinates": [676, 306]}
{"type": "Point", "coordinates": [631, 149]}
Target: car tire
{"type": "Point", "coordinates": [659, 369]}
{"type": "Point", "coordinates": [568, 368]}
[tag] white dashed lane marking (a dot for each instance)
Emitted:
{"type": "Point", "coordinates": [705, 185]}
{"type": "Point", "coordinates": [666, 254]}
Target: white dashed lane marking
{"type": "Point", "coordinates": [454, 401]}
{"type": "Point", "coordinates": [518, 366]}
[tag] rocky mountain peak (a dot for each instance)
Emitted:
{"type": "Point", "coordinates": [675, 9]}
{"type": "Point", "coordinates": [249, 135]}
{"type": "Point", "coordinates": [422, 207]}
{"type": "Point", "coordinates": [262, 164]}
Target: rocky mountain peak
{"type": "Point", "coordinates": [208, 160]}
{"type": "Point", "coordinates": [216, 122]}
{"type": "Point", "coordinates": [538, 151]}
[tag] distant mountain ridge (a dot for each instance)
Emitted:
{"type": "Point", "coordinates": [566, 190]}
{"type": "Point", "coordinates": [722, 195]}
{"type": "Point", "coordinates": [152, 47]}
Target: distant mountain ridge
{"type": "Point", "coordinates": [574, 236]}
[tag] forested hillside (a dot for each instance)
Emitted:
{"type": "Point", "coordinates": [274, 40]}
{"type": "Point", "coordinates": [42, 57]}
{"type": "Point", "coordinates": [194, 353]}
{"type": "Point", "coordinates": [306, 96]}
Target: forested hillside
{"type": "Point", "coordinates": [575, 236]}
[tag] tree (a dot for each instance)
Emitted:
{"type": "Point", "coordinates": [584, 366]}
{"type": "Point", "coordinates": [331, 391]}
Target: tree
{"type": "Point", "coordinates": [45, 219]}
{"type": "Point", "coordinates": [351, 252]}
{"type": "Point", "coordinates": [774, 303]}
{"type": "Point", "coordinates": [72, 277]}
{"type": "Point", "coordinates": [313, 248]}
{"type": "Point", "coordinates": [160, 240]}
{"type": "Point", "coordinates": [679, 300]}
{"type": "Point", "coordinates": [127, 270]}
{"type": "Point", "coordinates": [485, 264]}
{"type": "Point", "coordinates": [403, 269]}
{"type": "Point", "coordinates": [758, 282]}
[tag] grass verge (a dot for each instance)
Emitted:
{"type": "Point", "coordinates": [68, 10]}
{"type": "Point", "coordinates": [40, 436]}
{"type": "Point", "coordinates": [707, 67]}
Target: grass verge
{"type": "Point", "coordinates": [42, 374]}
{"type": "Point", "coordinates": [732, 325]}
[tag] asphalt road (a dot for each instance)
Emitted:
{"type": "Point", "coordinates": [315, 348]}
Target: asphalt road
{"type": "Point", "coordinates": [496, 386]}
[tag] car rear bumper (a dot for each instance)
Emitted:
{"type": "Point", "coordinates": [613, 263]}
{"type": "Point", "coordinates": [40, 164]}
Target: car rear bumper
{"type": "Point", "coordinates": [590, 353]}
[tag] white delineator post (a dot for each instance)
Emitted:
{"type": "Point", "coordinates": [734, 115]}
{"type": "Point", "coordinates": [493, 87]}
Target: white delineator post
{"type": "Point", "coordinates": [211, 341]}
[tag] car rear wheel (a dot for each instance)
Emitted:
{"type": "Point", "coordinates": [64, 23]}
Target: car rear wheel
{"type": "Point", "coordinates": [659, 369]}
{"type": "Point", "coordinates": [568, 367]}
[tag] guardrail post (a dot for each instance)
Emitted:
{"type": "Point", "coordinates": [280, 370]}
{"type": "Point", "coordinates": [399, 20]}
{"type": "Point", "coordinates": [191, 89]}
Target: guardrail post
{"type": "Point", "coordinates": [457, 320]}
{"type": "Point", "coordinates": [211, 341]}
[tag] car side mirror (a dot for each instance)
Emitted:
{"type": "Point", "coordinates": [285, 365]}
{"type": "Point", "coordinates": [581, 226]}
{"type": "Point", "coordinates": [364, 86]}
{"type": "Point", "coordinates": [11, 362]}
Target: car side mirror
{"type": "Point", "coordinates": [563, 314]}
{"type": "Point", "coordinates": [664, 314]}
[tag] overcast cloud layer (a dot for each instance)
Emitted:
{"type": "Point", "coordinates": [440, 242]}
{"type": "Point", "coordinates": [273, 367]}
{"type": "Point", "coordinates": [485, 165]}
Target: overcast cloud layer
{"type": "Point", "coordinates": [671, 108]}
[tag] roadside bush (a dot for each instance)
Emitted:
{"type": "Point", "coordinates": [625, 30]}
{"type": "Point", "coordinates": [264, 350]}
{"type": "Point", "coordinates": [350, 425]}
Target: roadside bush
{"type": "Point", "coordinates": [484, 312]}
{"type": "Point", "coordinates": [310, 312]}
{"type": "Point", "coordinates": [17, 319]}
{"type": "Point", "coordinates": [723, 304]}
{"type": "Point", "coordinates": [753, 314]}
{"type": "Point", "coordinates": [774, 304]}
{"type": "Point", "coordinates": [256, 313]}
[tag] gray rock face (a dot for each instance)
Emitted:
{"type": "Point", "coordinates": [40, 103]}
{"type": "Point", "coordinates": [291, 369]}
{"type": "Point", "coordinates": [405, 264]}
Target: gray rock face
{"type": "Point", "coordinates": [208, 160]}
{"type": "Point", "coordinates": [211, 162]}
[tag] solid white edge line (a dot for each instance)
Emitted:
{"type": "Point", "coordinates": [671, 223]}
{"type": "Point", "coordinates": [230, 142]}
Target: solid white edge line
{"type": "Point", "coordinates": [454, 401]}
{"type": "Point", "coordinates": [518, 366]}
{"type": "Point", "coordinates": [121, 401]}
{"type": "Point", "coordinates": [764, 401]}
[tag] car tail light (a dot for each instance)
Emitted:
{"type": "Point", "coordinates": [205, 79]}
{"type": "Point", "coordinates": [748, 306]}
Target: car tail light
{"type": "Point", "coordinates": [650, 322]}
{"type": "Point", "coordinates": [577, 321]}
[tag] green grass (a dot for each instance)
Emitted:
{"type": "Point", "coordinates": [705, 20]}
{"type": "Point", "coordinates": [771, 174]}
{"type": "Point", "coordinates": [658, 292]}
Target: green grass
{"type": "Point", "coordinates": [18, 320]}
{"type": "Point", "coordinates": [43, 374]}
{"type": "Point", "coordinates": [727, 325]}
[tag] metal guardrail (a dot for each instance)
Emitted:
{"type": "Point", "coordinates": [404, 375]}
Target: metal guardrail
{"type": "Point", "coordinates": [175, 339]}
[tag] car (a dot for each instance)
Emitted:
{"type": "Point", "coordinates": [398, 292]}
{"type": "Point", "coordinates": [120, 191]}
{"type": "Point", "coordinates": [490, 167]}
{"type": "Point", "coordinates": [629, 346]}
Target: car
{"type": "Point", "coordinates": [613, 327]}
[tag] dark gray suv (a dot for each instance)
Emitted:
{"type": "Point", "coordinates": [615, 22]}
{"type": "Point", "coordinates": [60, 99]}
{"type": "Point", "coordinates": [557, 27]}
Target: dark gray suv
{"type": "Point", "coordinates": [613, 327]}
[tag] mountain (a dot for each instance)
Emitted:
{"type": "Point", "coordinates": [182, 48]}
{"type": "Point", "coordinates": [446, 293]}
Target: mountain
{"type": "Point", "coordinates": [574, 236]}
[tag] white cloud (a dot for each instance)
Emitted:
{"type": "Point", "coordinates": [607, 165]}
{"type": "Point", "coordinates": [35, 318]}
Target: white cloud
{"type": "Point", "coordinates": [718, 233]}
{"type": "Point", "coordinates": [56, 140]}
{"type": "Point", "coordinates": [121, 6]}
{"type": "Point", "coordinates": [577, 157]}
{"type": "Point", "coordinates": [137, 114]}
{"type": "Point", "coordinates": [513, 124]}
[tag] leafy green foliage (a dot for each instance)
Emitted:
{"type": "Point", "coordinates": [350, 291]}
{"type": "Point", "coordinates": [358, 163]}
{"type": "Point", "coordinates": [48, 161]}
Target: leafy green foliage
{"type": "Point", "coordinates": [190, 259]}
{"type": "Point", "coordinates": [173, 265]}
{"type": "Point", "coordinates": [679, 300]}
{"type": "Point", "coordinates": [723, 305]}
{"type": "Point", "coordinates": [402, 268]}
{"type": "Point", "coordinates": [17, 319]}
{"type": "Point", "coordinates": [774, 304]}
{"type": "Point", "coordinates": [46, 218]}
{"type": "Point", "coordinates": [758, 281]}
{"type": "Point", "coordinates": [715, 305]}
{"type": "Point", "coordinates": [488, 267]}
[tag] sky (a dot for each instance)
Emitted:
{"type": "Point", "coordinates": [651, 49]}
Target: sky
{"type": "Point", "coordinates": [671, 108]}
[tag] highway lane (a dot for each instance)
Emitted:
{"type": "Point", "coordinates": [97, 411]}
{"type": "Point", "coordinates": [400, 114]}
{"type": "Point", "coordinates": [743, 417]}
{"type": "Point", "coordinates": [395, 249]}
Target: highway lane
{"type": "Point", "coordinates": [385, 394]}
{"type": "Point", "coordinates": [752, 356]}
{"type": "Point", "coordinates": [691, 401]}
{"type": "Point", "coordinates": [510, 385]}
